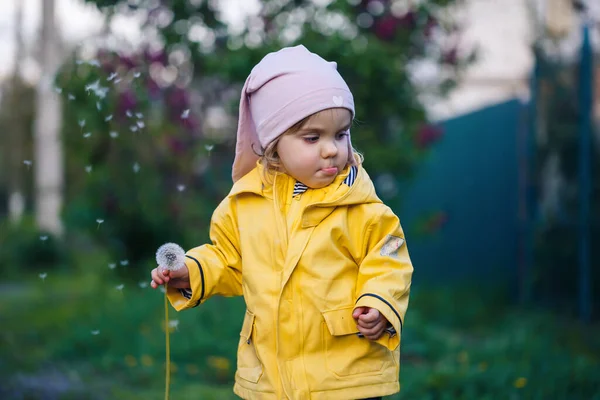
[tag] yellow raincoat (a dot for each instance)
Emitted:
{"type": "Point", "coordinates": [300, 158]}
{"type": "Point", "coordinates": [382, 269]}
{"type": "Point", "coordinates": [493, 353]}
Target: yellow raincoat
{"type": "Point", "coordinates": [303, 264]}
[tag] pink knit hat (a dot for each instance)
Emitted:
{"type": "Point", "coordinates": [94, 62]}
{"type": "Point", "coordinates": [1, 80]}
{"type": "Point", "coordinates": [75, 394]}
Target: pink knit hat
{"type": "Point", "coordinates": [283, 88]}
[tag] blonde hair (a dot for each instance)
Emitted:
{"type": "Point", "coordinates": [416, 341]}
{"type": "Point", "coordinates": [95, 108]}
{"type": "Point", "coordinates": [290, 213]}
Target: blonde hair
{"type": "Point", "coordinates": [269, 158]}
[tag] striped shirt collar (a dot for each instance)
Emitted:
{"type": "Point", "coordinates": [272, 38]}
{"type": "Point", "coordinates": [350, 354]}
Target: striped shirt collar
{"type": "Point", "coordinates": [300, 187]}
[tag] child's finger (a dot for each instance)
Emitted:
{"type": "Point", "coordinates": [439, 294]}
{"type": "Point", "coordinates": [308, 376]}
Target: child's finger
{"type": "Point", "coordinates": [156, 277]}
{"type": "Point", "coordinates": [358, 311]}
{"type": "Point", "coordinates": [367, 325]}
{"type": "Point", "coordinates": [373, 333]}
{"type": "Point", "coordinates": [372, 316]}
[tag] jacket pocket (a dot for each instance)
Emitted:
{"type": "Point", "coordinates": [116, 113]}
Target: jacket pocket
{"type": "Point", "coordinates": [346, 353]}
{"type": "Point", "coordinates": [249, 366]}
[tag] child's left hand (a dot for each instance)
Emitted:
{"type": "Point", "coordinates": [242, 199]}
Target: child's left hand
{"type": "Point", "coordinates": [370, 322]}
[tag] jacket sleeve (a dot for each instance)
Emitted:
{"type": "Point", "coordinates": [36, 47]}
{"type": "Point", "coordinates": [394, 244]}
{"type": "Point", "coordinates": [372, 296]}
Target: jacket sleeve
{"type": "Point", "coordinates": [385, 272]}
{"type": "Point", "coordinates": [214, 268]}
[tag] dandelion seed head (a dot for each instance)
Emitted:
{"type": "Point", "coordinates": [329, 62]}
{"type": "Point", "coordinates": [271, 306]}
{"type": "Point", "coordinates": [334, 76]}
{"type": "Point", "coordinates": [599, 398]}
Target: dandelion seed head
{"type": "Point", "coordinates": [170, 256]}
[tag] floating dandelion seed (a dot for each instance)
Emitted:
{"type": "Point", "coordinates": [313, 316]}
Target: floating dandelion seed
{"type": "Point", "coordinates": [71, 97]}
{"type": "Point", "coordinates": [98, 106]}
{"type": "Point", "coordinates": [28, 163]}
{"type": "Point", "coordinates": [209, 147]}
{"type": "Point", "coordinates": [88, 168]}
{"type": "Point", "coordinates": [181, 188]}
{"type": "Point", "coordinates": [120, 287]}
{"type": "Point", "coordinates": [141, 124]}
{"type": "Point", "coordinates": [114, 134]}
{"type": "Point", "coordinates": [96, 332]}
{"type": "Point", "coordinates": [162, 289]}
{"type": "Point", "coordinates": [133, 128]}
{"type": "Point", "coordinates": [136, 168]}
{"type": "Point", "coordinates": [99, 91]}
{"type": "Point", "coordinates": [124, 262]}
{"type": "Point", "coordinates": [78, 62]}
{"type": "Point", "coordinates": [185, 114]}
{"type": "Point", "coordinates": [117, 80]}
{"type": "Point", "coordinates": [112, 76]}
{"type": "Point", "coordinates": [81, 123]}
{"type": "Point", "coordinates": [58, 90]}
{"type": "Point", "coordinates": [112, 265]}
{"type": "Point", "coordinates": [94, 63]}
{"type": "Point", "coordinates": [143, 285]}
{"type": "Point", "coordinates": [137, 74]}
{"type": "Point", "coordinates": [87, 134]}
{"type": "Point", "coordinates": [129, 113]}
{"type": "Point", "coordinates": [139, 115]}
{"type": "Point", "coordinates": [99, 221]}
{"type": "Point", "coordinates": [108, 118]}
{"type": "Point", "coordinates": [174, 323]}
{"type": "Point", "coordinates": [44, 238]}
{"type": "Point", "coordinates": [43, 276]}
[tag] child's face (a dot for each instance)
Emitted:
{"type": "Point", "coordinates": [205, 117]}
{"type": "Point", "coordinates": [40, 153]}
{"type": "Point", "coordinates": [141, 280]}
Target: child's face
{"type": "Point", "coordinates": [318, 152]}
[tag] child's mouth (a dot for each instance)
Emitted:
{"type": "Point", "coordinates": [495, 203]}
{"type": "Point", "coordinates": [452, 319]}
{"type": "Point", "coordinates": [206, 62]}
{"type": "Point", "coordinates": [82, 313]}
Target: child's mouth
{"type": "Point", "coordinates": [330, 170]}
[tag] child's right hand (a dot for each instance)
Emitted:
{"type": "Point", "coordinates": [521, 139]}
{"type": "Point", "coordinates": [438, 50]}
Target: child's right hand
{"type": "Point", "coordinates": [179, 279]}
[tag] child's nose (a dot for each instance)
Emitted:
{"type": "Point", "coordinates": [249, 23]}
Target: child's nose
{"type": "Point", "coordinates": [329, 149]}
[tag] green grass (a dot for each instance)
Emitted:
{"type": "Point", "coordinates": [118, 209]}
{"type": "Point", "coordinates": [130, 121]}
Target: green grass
{"type": "Point", "coordinates": [458, 343]}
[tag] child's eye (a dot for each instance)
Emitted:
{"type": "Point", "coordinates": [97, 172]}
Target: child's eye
{"type": "Point", "coordinates": [343, 134]}
{"type": "Point", "coordinates": [311, 139]}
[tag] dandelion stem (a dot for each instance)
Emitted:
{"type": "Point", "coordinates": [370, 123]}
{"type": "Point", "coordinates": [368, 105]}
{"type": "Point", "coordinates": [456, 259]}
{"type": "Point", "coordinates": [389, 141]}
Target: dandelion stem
{"type": "Point", "coordinates": [168, 350]}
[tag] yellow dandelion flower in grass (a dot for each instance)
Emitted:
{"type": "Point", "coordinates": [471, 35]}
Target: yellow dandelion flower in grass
{"type": "Point", "coordinates": [520, 382]}
{"type": "Point", "coordinates": [147, 361]}
{"type": "Point", "coordinates": [174, 367]}
{"type": "Point", "coordinates": [192, 369]}
{"type": "Point", "coordinates": [463, 357]}
{"type": "Point", "coordinates": [482, 366]}
{"type": "Point", "coordinates": [145, 330]}
{"type": "Point", "coordinates": [130, 360]}
{"type": "Point", "coordinates": [221, 364]}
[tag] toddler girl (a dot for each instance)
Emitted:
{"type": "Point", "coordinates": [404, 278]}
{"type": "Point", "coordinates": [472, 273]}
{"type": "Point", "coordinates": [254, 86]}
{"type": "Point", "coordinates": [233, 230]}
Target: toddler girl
{"type": "Point", "coordinates": [320, 260]}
